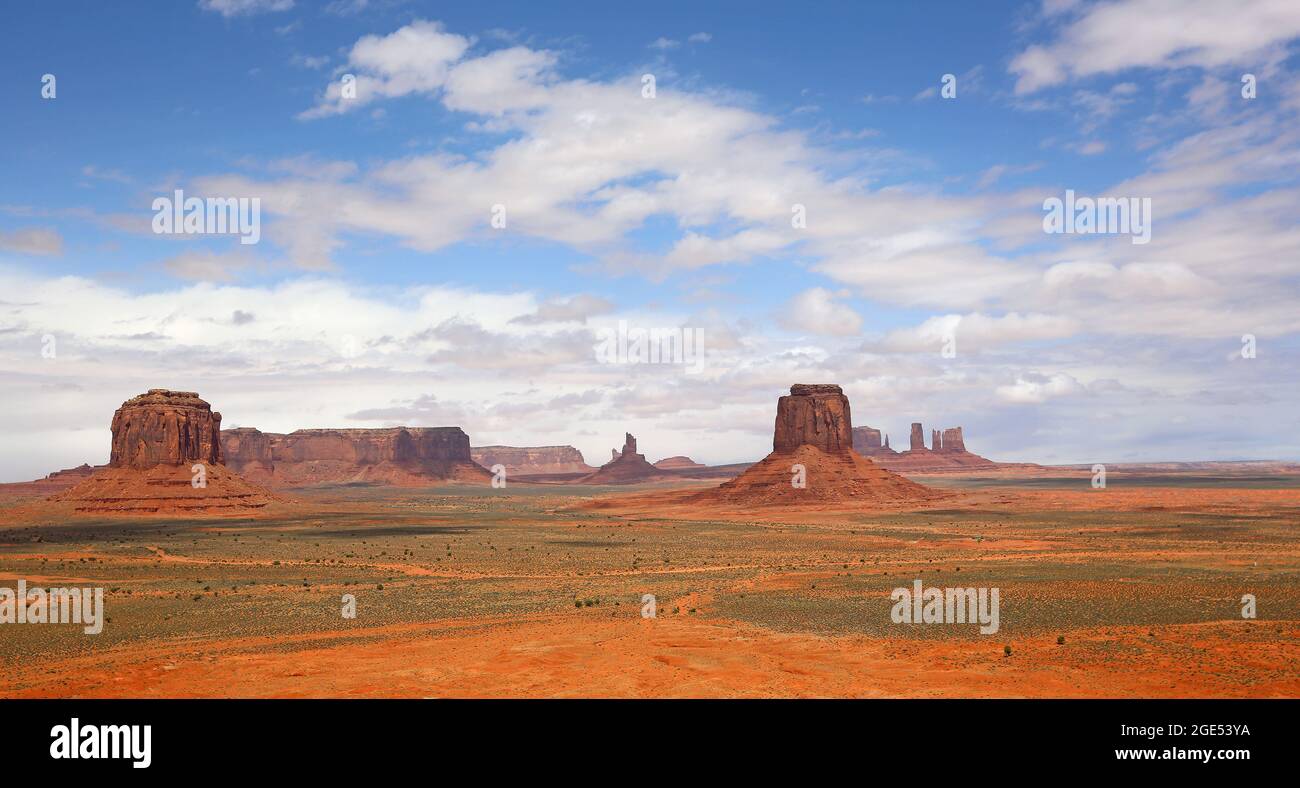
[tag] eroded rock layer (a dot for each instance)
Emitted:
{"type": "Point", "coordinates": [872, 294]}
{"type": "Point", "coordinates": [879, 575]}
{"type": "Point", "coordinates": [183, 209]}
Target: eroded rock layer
{"type": "Point", "coordinates": [526, 460]}
{"type": "Point", "coordinates": [165, 427]}
{"type": "Point", "coordinates": [813, 415]}
{"type": "Point", "coordinates": [403, 456]}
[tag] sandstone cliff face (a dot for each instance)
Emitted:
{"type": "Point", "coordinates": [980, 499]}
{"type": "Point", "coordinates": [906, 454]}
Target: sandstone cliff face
{"type": "Point", "coordinates": [813, 415]}
{"type": "Point", "coordinates": [394, 455]}
{"type": "Point", "coordinates": [867, 442]}
{"type": "Point", "coordinates": [165, 427]}
{"type": "Point", "coordinates": [865, 439]}
{"type": "Point", "coordinates": [953, 440]}
{"type": "Point", "coordinates": [522, 461]}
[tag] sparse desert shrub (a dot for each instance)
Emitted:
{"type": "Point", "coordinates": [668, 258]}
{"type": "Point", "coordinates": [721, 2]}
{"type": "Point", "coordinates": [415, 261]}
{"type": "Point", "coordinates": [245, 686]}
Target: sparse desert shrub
{"type": "Point", "coordinates": [1060, 640]}
{"type": "Point", "coordinates": [1006, 651]}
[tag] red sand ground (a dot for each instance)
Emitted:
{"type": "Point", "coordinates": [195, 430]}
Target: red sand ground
{"type": "Point", "coordinates": [612, 652]}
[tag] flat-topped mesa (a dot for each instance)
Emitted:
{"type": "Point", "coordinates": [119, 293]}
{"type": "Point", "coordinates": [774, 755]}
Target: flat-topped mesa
{"type": "Point", "coordinates": [165, 427]}
{"type": "Point", "coordinates": [953, 440]}
{"type": "Point", "coordinates": [532, 459]}
{"type": "Point", "coordinates": [813, 415]}
{"type": "Point", "coordinates": [247, 445]}
{"type": "Point", "coordinates": [868, 442]}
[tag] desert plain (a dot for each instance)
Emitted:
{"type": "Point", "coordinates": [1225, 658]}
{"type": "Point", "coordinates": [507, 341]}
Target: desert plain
{"type": "Point", "coordinates": [536, 590]}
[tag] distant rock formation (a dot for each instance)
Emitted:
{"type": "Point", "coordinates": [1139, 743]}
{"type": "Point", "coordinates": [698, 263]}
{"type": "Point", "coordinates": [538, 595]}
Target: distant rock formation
{"type": "Point", "coordinates": [947, 451]}
{"type": "Point", "coordinates": [165, 459]}
{"type": "Point", "coordinates": [400, 456]}
{"type": "Point", "coordinates": [165, 427]}
{"type": "Point", "coordinates": [866, 441]}
{"type": "Point", "coordinates": [678, 463]}
{"type": "Point", "coordinates": [522, 461]}
{"type": "Point", "coordinates": [57, 481]}
{"type": "Point", "coordinates": [813, 432]}
{"type": "Point", "coordinates": [953, 440]}
{"type": "Point", "coordinates": [813, 415]}
{"type": "Point", "coordinates": [627, 467]}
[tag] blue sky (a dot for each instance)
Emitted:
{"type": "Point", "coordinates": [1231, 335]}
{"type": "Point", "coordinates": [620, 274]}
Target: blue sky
{"type": "Point", "coordinates": [924, 219]}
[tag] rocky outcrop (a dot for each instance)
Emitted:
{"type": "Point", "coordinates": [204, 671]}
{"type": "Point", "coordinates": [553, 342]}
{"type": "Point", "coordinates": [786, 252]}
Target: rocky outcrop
{"type": "Point", "coordinates": [51, 483]}
{"type": "Point", "coordinates": [165, 427]}
{"type": "Point", "coordinates": [947, 452]}
{"type": "Point", "coordinates": [526, 460]}
{"type": "Point", "coordinates": [404, 456]}
{"type": "Point", "coordinates": [813, 462]}
{"type": "Point", "coordinates": [867, 442]}
{"type": "Point", "coordinates": [678, 463]}
{"type": "Point", "coordinates": [165, 459]}
{"type": "Point", "coordinates": [866, 439]}
{"type": "Point", "coordinates": [627, 467]}
{"type": "Point", "coordinates": [918, 437]}
{"type": "Point", "coordinates": [813, 415]}
{"type": "Point", "coordinates": [953, 440]}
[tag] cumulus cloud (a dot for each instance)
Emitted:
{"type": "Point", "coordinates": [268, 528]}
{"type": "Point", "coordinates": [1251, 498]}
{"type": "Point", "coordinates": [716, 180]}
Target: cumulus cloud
{"type": "Point", "coordinates": [817, 311]}
{"type": "Point", "coordinates": [413, 59]}
{"type": "Point", "coordinates": [1035, 389]}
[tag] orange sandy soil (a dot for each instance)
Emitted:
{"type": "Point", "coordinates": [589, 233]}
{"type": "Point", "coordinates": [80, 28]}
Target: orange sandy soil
{"type": "Point", "coordinates": [480, 593]}
{"type": "Point", "coordinates": [596, 656]}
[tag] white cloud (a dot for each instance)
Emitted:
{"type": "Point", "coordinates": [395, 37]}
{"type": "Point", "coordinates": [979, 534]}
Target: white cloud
{"type": "Point", "coordinates": [1109, 37]}
{"type": "Point", "coordinates": [413, 59]}
{"type": "Point", "coordinates": [976, 331]}
{"type": "Point", "coordinates": [229, 8]}
{"type": "Point", "coordinates": [41, 241]}
{"type": "Point", "coordinates": [817, 311]}
{"type": "Point", "coordinates": [1035, 389]}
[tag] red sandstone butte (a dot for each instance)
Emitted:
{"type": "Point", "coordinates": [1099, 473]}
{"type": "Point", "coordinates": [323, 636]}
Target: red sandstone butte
{"type": "Point", "coordinates": [813, 415]}
{"type": "Point", "coordinates": [165, 459]}
{"type": "Point", "coordinates": [165, 428]}
{"type": "Point", "coordinates": [813, 431]}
